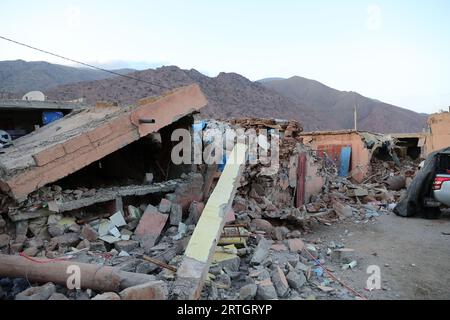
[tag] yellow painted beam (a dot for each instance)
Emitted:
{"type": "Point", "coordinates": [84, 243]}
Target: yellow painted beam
{"type": "Point", "coordinates": [200, 250]}
{"type": "Point", "coordinates": [210, 225]}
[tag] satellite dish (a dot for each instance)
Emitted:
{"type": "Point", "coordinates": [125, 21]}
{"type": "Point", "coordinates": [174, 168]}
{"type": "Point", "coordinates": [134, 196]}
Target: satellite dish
{"type": "Point", "coordinates": [34, 96]}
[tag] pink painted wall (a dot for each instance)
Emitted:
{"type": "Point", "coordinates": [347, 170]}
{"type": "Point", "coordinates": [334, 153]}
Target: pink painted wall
{"type": "Point", "coordinates": [360, 159]}
{"type": "Point", "coordinates": [439, 136]}
{"type": "Point", "coordinates": [313, 182]}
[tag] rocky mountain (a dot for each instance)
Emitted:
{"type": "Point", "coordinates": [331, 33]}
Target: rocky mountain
{"type": "Point", "coordinates": [315, 105]}
{"type": "Point", "coordinates": [20, 76]}
{"type": "Point", "coordinates": [229, 94]}
{"type": "Point", "coordinates": [336, 108]}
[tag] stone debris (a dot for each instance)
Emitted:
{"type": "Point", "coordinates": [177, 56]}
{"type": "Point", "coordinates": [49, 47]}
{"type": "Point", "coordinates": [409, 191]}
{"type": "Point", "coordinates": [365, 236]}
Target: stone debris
{"type": "Point", "coordinates": [37, 293]}
{"type": "Point", "coordinates": [148, 291]}
{"type": "Point", "coordinates": [107, 296]}
{"type": "Point", "coordinates": [266, 290]}
{"type": "Point", "coordinates": [150, 227]}
{"type": "Point", "coordinates": [280, 282]}
{"type": "Point", "coordinates": [262, 253]}
{"type": "Point", "coordinates": [58, 296]}
{"type": "Point", "coordinates": [248, 292]}
{"type": "Point", "coordinates": [296, 279]}
{"type": "Point", "coordinates": [126, 245]}
{"type": "Point", "coordinates": [119, 239]}
{"type": "Point", "coordinates": [89, 233]}
{"type": "Point", "coordinates": [117, 220]}
{"type": "Point", "coordinates": [164, 206]}
{"type": "Point", "coordinates": [176, 214]}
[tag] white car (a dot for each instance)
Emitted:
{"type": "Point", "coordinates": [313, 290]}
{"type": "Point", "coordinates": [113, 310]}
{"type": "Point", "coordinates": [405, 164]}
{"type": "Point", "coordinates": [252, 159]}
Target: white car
{"type": "Point", "coordinates": [441, 184]}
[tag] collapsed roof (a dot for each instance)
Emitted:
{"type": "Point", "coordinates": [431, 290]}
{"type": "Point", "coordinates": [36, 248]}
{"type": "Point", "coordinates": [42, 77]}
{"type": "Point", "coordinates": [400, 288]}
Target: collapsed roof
{"type": "Point", "coordinates": [82, 137]}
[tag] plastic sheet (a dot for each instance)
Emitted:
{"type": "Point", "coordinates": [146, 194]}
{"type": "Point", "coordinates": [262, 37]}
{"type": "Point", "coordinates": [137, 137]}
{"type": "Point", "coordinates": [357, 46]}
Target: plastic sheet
{"type": "Point", "coordinates": [412, 204]}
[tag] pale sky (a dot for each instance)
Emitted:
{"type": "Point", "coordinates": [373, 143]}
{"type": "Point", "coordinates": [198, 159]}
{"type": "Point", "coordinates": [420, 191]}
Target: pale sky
{"type": "Point", "coordinates": [395, 51]}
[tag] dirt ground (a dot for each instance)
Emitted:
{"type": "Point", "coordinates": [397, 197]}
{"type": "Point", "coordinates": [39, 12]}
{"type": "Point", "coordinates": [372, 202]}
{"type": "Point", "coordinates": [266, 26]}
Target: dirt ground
{"type": "Point", "coordinates": [413, 255]}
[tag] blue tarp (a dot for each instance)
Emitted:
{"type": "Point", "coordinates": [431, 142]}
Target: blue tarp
{"type": "Point", "coordinates": [50, 116]}
{"type": "Point", "coordinates": [345, 161]}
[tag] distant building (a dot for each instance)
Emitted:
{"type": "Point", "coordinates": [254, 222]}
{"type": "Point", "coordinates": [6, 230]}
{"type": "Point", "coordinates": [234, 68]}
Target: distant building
{"type": "Point", "coordinates": [20, 117]}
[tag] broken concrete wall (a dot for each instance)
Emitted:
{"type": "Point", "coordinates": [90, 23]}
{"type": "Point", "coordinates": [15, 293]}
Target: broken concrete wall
{"type": "Point", "coordinates": [410, 144]}
{"type": "Point", "coordinates": [439, 132]}
{"type": "Point", "coordinates": [437, 136]}
{"type": "Point", "coordinates": [360, 158]}
{"type": "Point", "coordinates": [271, 187]}
{"type": "Point", "coordinates": [314, 182]}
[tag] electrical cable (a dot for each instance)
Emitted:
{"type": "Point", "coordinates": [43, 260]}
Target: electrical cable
{"type": "Point", "coordinates": [83, 63]}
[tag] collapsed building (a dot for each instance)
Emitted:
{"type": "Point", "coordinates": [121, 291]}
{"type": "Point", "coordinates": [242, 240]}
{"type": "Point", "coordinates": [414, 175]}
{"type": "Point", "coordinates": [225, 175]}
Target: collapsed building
{"type": "Point", "coordinates": [421, 144]}
{"type": "Point", "coordinates": [98, 189]}
{"type": "Point", "coordinates": [350, 150]}
{"type": "Point", "coordinates": [438, 135]}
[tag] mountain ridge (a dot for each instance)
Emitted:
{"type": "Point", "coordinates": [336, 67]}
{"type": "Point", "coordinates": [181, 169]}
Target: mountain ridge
{"type": "Point", "coordinates": [373, 114]}
{"type": "Point", "coordinates": [315, 105]}
{"type": "Point", "coordinates": [19, 76]}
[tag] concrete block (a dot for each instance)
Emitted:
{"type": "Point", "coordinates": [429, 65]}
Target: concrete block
{"type": "Point", "coordinates": [248, 292]}
{"type": "Point", "coordinates": [153, 290]}
{"type": "Point", "coordinates": [280, 283]}
{"type": "Point", "coordinates": [107, 296]}
{"type": "Point", "coordinates": [150, 227]}
{"type": "Point", "coordinates": [164, 206]}
{"type": "Point", "coordinates": [88, 233]}
{"type": "Point", "coordinates": [261, 252]}
{"type": "Point", "coordinates": [176, 214]}
{"type": "Point", "coordinates": [296, 245]}
{"type": "Point", "coordinates": [37, 293]}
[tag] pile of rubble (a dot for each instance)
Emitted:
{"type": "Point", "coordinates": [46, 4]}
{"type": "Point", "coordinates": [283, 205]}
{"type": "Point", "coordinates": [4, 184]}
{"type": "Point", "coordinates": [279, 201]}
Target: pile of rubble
{"type": "Point", "coordinates": [143, 239]}
{"type": "Point", "coordinates": [261, 253]}
{"type": "Point", "coordinates": [271, 259]}
{"type": "Point", "coordinates": [394, 174]}
{"type": "Point", "coordinates": [274, 269]}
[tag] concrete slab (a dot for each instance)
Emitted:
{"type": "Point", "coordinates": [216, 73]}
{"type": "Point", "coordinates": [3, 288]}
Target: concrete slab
{"type": "Point", "coordinates": [82, 137]}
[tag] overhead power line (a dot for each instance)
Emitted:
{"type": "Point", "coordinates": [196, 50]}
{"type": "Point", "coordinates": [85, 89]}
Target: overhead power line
{"type": "Point", "coordinates": [82, 63]}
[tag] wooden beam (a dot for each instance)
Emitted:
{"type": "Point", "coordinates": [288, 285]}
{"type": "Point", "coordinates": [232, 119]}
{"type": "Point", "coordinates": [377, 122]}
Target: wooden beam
{"type": "Point", "coordinates": [301, 177]}
{"type": "Point", "coordinates": [95, 277]}
{"type": "Point", "coordinates": [198, 255]}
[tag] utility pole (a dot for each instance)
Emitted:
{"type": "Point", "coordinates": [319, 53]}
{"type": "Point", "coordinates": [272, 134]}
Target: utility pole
{"type": "Point", "coordinates": [355, 114]}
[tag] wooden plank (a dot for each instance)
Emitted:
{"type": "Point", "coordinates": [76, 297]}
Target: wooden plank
{"type": "Point", "coordinates": [93, 276]}
{"type": "Point", "coordinates": [301, 177]}
{"type": "Point", "coordinates": [198, 255]}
